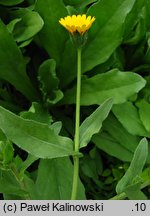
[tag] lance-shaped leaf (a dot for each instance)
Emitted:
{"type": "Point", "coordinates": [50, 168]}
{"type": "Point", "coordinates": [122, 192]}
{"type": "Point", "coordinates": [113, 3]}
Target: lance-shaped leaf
{"type": "Point", "coordinates": [129, 117]}
{"type": "Point", "coordinates": [144, 112]}
{"type": "Point", "coordinates": [12, 64]}
{"type": "Point", "coordinates": [114, 84]}
{"type": "Point", "coordinates": [109, 145]}
{"type": "Point", "coordinates": [113, 127]}
{"type": "Point", "coordinates": [136, 166]}
{"type": "Point", "coordinates": [93, 123]}
{"type": "Point", "coordinates": [34, 137]}
{"type": "Point", "coordinates": [112, 24]}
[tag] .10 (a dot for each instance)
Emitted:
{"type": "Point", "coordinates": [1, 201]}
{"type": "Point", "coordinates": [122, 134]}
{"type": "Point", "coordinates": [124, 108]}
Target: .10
{"type": "Point", "coordinates": [140, 206]}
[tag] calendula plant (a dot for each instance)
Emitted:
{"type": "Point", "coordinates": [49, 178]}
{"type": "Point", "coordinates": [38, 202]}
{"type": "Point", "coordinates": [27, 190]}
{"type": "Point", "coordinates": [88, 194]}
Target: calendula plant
{"type": "Point", "coordinates": [74, 117]}
{"type": "Point", "coordinates": [78, 27]}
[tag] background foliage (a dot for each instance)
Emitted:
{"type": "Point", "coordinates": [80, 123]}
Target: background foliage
{"type": "Point", "coordinates": [37, 96]}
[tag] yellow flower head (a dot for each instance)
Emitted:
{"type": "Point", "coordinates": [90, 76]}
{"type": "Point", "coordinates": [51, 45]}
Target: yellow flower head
{"type": "Point", "coordinates": [79, 23]}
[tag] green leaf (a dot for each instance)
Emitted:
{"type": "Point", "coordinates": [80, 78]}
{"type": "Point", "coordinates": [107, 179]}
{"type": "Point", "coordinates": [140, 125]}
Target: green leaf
{"type": "Point", "coordinates": [79, 3]}
{"type": "Point", "coordinates": [9, 184]}
{"type": "Point", "coordinates": [93, 123]}
{"type": "Point", "coordinates": [144, 112]}
{"type": "Point", "coordinates": [54, 181]}
{"type": "Point", "coordinates": [134, 192]}
{"type": "Point", "coordinates": [147, 12]}
{"type": "Point", "coordinates": [25, 164]}
{"type": "Point", "coordinates": [52, 36]}
{"type": "Point", "coordinates": [6, 152]}
{"type": "Point", "coordinates": [139, 33]}
{"type": "Point", "coordinates": [37, 113]}
{"type": "Point", "coordinates": [91, 165]}
{"type": "Point", "coordinates": [30, 187]}
{"type": "Point", "coordinates": [2, 136]}
{"type": "Point", "coordinates": [147, 56]}
{"type": "Point", "coordinates": [25, 43]}
{"type": "Point", "coordinates": [145, 176]}
{"type": "Point", "coordinates": [10, 2]}
{"type": "Point", "coordinates": [120, 134]}
{"type": "Point", "coordinates": [49, 82]}
{"type": "Point", "coordinates": [45, 142]}
{"type": "Point", "coordinates": [109, 145]}
{"type": "Point", "coordinates": [12, 23]}
{"type": "Point", "coordinates": [89, 168]}
{"type": "Point", "coordinates": [128, 115]}
{"type": "Point", "coordinates": [29, 25]}
{"type": "Point", "coordinates": [135, 168]}
{"type": "Point", "coordinates": [11, 197]}
{"type": "Point", "coordinates": [9, 70]}
{"type": "Point", "coordinates": [110, 17]}
{"type": "Point", "coordinates": [104, 37]}
{"type": "Point", "coordinates": [132, 19]}
{"type": "Point", "coordinates": [57, 127]}
{"type": "Point", "coordinates": [10, 106]}
{"type": "Point", "coordinates": [114, 84]}
{"type": "Point", "coordinates": [146, 90]}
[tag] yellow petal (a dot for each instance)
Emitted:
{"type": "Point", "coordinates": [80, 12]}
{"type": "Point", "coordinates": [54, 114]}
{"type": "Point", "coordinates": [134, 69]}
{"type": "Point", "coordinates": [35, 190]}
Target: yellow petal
{"type": "Point", "coordinates": [77, 23]}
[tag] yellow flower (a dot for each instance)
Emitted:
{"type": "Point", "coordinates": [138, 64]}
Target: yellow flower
{"type": "Point", "coordinates": [79, 23]}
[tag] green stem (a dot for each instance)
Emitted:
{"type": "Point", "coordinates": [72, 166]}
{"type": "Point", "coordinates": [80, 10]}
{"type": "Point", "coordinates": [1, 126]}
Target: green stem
{"type": "Point", "coordinates": [77, 125]}
{"type": "Point", "coordinates": [21, 182]}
